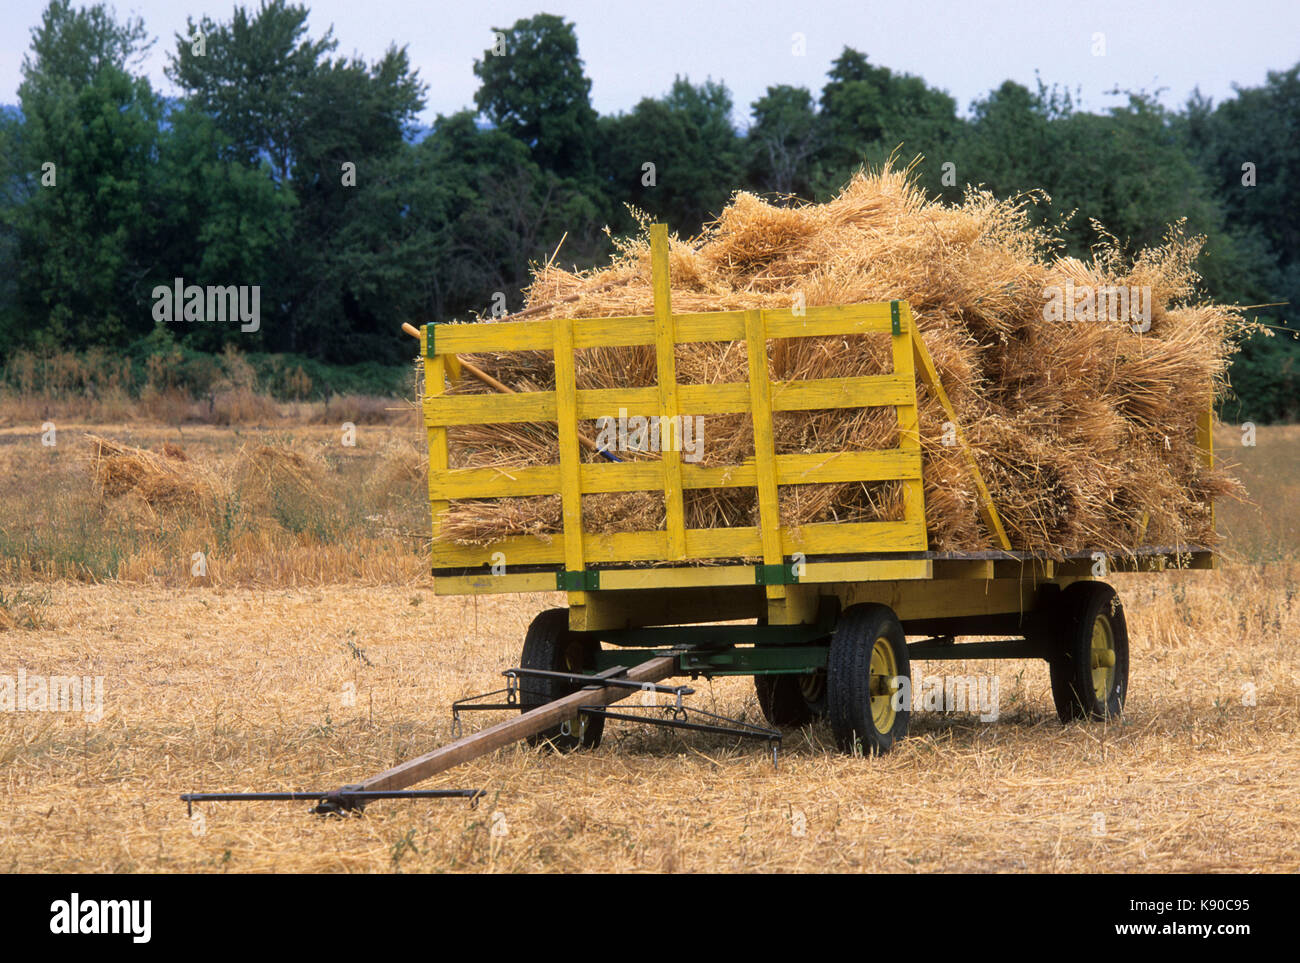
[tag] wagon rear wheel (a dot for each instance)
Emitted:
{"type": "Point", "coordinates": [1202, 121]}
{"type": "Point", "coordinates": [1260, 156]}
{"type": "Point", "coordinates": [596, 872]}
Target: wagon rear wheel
{"type": "Point", "coordinates": [1089, 665]}
{"type": "Point", "coordinates": [551, 646]}
{"type": "Point", "coordinates": [866, 698]}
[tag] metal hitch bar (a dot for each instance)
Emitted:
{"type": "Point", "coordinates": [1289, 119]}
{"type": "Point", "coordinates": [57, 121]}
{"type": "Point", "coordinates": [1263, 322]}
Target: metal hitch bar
{"type": "Point", "coordinates": [679, 717]}
{"type": "Point", "coordinates": [335, 802]}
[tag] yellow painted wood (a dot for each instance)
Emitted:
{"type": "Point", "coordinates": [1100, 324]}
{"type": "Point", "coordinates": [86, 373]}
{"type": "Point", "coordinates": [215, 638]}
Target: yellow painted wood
{"type": "Point", "coordinates": [831, 538]}
{"type": "Point", "coordinates": [566, 404]}
{"type": "Point", "coordinates": [493, 336]}
{"type": "Point", "coordinates": [859, 392]}
{"type": "Point", "coordinates": [909, 434]}
{"type": "Point", "coordinates": [596, 403]}
{"type": "Point", "coordinates": [435, 383]}
{"type": "Point", "coordinates": [724, 398]}
{"type": "Point", "coordinates": [613, 332]}
{"type": "Point", "coordinates": [845, 466]}
{"type": "Point", "coordinates": [494, 409]}
{"type": "Point", "coordinates": [1205, 442]}
{"type": "Point", "coordinates": [605, 477]}
{"type": "Point", "coordinates": [760, 391]}
{"type": "Point", "coordinates": [831, 320]}
{"type": "Point", "coordinates": [510, 582]}
{"type": "Point", "coordinates": [902, 568]}
{"type": "Point", "coordinates": [666, 369]}
{"type": "Point", "coordinates": [692, 577]}
{"type": "Point", "coordinates": [987, 509]}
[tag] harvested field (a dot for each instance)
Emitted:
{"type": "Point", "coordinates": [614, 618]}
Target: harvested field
{"type": "Point", "coordinates": [246, 689]}
{"type": "Point", "coordinates": [241, 682]}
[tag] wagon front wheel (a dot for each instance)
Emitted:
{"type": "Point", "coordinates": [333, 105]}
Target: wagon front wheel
{"type": "Point", "coordinates": [868, 680]}
{"type": "Point", "coordinates": [551, 646]}
{"type": "Point", "coordinates": [791, 701]}
{"type": "Point", "coordinates": [1089, 666]}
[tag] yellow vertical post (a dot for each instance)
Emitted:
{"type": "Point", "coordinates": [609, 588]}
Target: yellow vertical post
{"type": "Point", "coordinates": [909, 434]}
{"type": "Point", "coordinates": [566, 416]}
{"type": "Point", "coordinates": [1205, 442]}
{"type": "Point", "coordinates": [435, 383]}
{"type": "Point", "coordinates": [760, 396]}
{"type": "Point", "coordinates": [666, 367]}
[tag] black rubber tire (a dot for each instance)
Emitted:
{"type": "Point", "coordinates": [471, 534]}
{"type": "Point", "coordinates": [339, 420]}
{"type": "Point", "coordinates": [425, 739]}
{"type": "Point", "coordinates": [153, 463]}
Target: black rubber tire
{"type": "Point", "coordinates": [849, 702]}
{"type": "Point", "coordinates": [1074, 685]}
{"type": "Point", "coordinates": [550, 645]}
{"type": "Point", "coordinates": [791, 701]}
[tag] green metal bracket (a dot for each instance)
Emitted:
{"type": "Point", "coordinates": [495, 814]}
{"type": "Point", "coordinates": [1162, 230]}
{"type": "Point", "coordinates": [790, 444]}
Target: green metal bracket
{"type": "Point", "coordinates": [894, 324]}
{"type": "Point", "coordinates": [775, 574]}
{"type": "Point", "coordinates": [585, 581]}
{"type": "Point", "coordinates": [429, 351]}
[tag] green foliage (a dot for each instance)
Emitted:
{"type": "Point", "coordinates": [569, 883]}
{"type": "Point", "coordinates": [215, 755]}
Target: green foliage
{"type": "Point", "coordinates": [688, 137]}
{"type": "Point", "coordinates": [535, 90]}
{"type": "Point", "coordinates": [287, 167]}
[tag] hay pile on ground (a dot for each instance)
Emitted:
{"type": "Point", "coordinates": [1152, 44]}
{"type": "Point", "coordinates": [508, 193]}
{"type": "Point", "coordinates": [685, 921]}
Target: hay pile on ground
{"type": "Point", "coordinates": [165, 479]}
{"type": "Point", "coordinates": [1083, 428]}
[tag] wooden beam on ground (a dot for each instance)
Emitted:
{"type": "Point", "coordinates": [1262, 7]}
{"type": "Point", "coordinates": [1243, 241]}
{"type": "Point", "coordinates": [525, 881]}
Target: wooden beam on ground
{"type": "Point", "coordinates": [513, 730]}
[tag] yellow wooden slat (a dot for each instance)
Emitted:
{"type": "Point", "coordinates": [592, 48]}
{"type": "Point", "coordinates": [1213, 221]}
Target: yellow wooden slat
{"type": "Point", "coordinates": [710, 326]}
{"type": "Point", "coordinates": [435, 383]}
{"type": "Point", "coordinates": [725, 398]}
{"type": "Point", "coordinates": [596, 403]}
{"type": "Point", "coordinates": [494, 482]}
{"type": "Point", "coordinates": [847, 466]}
{"type": "Point", "coordinates": [830, 538]}
{"type": "Point", "coordinates": [760, 388]}
{"type": "Point", "coordinates": [1205, 442]}
{"type": "Point", "coordinates": [666, 368]}
{"type": "Point", "coordinates": [566, 405]}
{"type": "Point", "coordinates": [830, 320]}
{"type": "Point", "coordinates": [909, 433]}
{"type": "Point", "coordinates": [873, 570]}
{"type": "Point", "coordinates": [493, 336]}
{"type": "Point", "coordinates": [629, 476]}
{"type": "Point", "coordinates": [743, 475]}
{"type": "Point", "coordinates": [494, 584]}
{"type": "Point", "coordinates": [866, 391]}
{"type": "Point", "coordinates": [488, 409]}
{"type": "Point", "coordinates": [613, 332]}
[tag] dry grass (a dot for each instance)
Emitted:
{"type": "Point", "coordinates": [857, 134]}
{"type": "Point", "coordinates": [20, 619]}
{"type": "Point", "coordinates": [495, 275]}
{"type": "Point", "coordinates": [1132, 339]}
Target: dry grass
{"type": "Point", "coordinates": [1082, 429]}
{"type": "Point", "coordinates": [238, 682]}
{"type": "Point", "coordinates": [244, 689]}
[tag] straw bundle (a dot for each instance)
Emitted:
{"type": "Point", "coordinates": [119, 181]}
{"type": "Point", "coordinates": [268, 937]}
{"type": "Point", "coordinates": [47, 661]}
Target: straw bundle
{"type": "Point", "coordinates": [166, 479]}
{"type": "Point", "coordinates": [1082, 428]}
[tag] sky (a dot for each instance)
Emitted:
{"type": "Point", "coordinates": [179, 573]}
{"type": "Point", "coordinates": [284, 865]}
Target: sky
{"type": "Point", "coordinates": [634, 49]}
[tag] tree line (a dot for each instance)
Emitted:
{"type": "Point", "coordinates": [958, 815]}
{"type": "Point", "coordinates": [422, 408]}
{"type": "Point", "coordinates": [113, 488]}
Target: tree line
{"type": "Point", "coordinates": [285, 166]}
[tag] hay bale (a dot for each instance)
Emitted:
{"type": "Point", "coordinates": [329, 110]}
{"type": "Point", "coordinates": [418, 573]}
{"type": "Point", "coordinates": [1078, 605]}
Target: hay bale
{"type": "Point", "coordinates": [1082, 429]}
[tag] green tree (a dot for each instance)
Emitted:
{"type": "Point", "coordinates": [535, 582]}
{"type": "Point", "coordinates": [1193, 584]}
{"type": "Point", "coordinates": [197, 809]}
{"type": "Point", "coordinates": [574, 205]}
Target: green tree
{"type": "Point", "coordinates": [86, 154]}
{"type": "Point", "coordinates": [324, 126]}
{"type": "Point", "coordinates": [868, 112]}
{"type": "Point", "coordinates": [677, 158]}
{"type": "Point", "coordinates": [534, 88]}
{"type": "Point", "coordinates": [784, 141]}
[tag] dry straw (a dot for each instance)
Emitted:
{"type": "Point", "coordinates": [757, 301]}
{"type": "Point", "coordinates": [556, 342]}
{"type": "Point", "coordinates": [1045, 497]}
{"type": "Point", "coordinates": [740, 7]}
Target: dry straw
{"type": "Point", "coordinates": [1082, 428]}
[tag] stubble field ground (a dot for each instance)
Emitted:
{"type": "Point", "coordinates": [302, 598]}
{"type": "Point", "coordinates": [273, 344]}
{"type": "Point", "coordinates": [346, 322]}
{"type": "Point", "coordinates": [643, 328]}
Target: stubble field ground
{"type": "Point", "coordinates": [311, 669]}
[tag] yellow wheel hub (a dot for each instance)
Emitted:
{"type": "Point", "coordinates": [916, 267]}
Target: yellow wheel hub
{"type": "Point", "coordinates": [1103, 658]}
{"type": "Point", "coordinates": [884, 669]}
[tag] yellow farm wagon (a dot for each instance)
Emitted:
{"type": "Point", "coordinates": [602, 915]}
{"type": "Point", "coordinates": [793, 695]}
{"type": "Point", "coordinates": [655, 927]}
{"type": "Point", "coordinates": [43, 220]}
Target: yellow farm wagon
{"type": "Point", "coordinates": [831, 604]}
